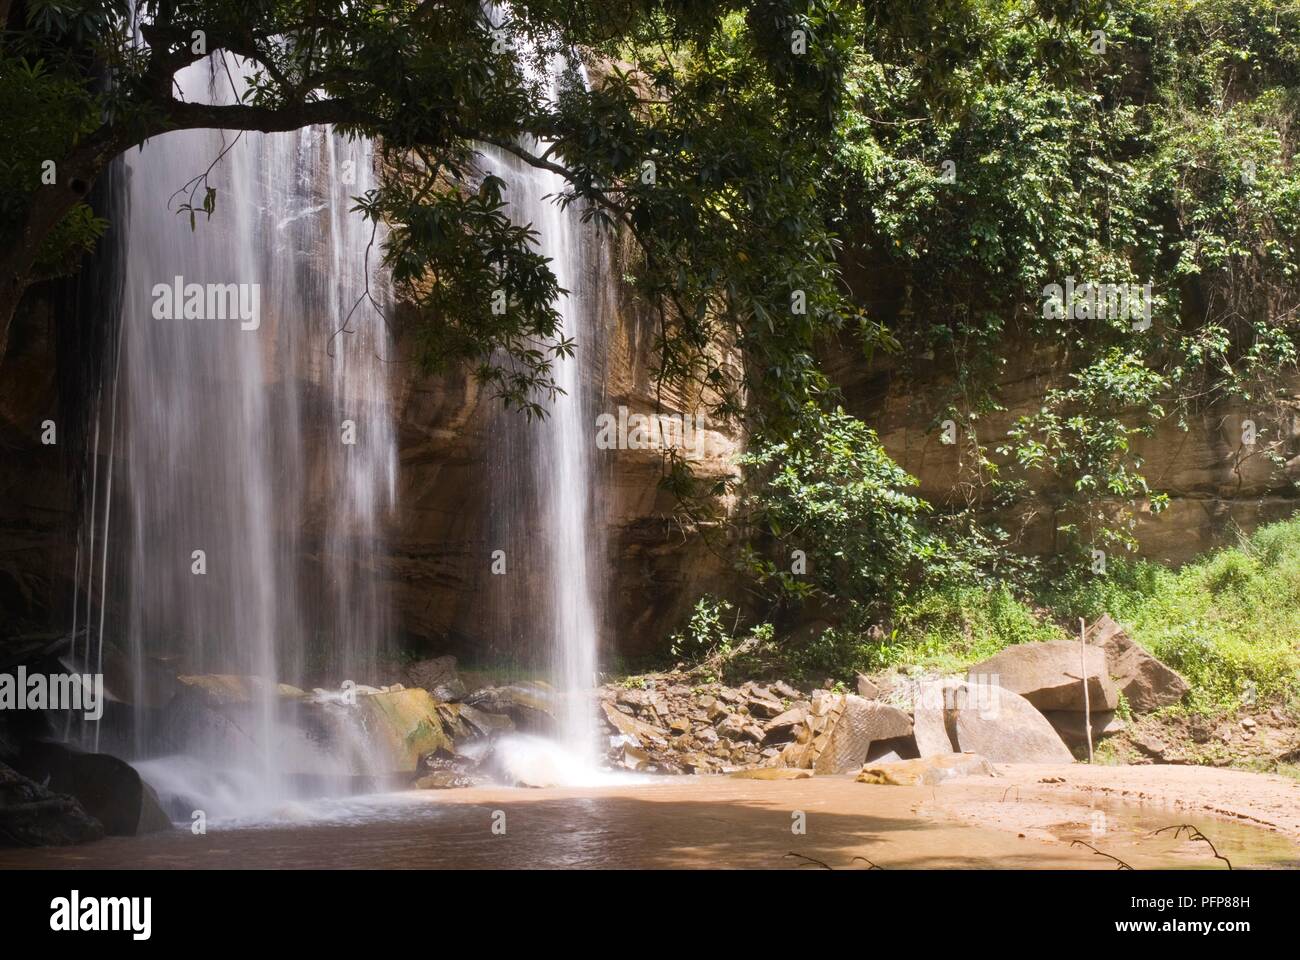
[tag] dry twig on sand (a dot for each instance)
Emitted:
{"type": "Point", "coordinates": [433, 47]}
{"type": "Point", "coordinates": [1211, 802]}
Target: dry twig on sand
{"type": "Point", "coordinates": [1194, 834]}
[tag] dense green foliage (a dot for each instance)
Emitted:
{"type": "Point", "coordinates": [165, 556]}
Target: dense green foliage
{"type": "Point", "coordinates": [1168, 159]}
{"type": "Point", "coordinates": [1227, 623]}
{"type": "Point", "coordinates": [704, 129]}
{"type": "Point", "coordinates": [704, 150]}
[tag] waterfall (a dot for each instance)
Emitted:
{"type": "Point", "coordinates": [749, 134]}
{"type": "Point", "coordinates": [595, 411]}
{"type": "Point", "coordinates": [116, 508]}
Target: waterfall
{"type": "Point", "coordinates": [248, 461]}
{"type": "Point", "coordinates": [550, 507]}
{"type": "Point", "coordinates": [251, 456]}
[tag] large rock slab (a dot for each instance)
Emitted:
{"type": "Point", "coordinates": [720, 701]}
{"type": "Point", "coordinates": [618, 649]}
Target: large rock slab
{"type": "Point", "coordinates": [1147, 684]}
{"type": "Point", "coordinates": [1004, 727]}
{"type": "Point", "coordinates": [783, 726]}
{"type": "Point", "coordinates": [224, 689]}
{"type": "Point", "coordinates": [108, 789]}
{"type": "Point", "coordinates": [481, 722]}
{"type": "Point", "coordinates": [838, 731]}
{"type": "Point", "coordinates": [628, 726]}
{"type": "Point", "coordinates": [771, 773]}
{"type": "Point", "coordinates": [1050, 675]}
{"type": "Point", "coordinates": [857, 723]}
{"type": "Point", "coordinates": [926, 771]}
{"type": "Point", "coordinates": [33, 816]}
{"type": "Point", "coordinates": [530, 704]}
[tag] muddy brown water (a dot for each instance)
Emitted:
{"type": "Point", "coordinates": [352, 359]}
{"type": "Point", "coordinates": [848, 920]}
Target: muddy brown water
{"type": "Point", "coordinates": [689, 822]}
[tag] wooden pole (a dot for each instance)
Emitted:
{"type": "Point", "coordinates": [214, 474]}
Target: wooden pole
{"type": "Point", "coordinates": [1083, 663]}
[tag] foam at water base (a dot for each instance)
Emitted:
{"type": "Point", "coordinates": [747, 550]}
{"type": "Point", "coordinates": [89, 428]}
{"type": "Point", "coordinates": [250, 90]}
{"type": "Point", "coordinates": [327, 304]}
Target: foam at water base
{"type": "Point", "coordinates": [538, 762]}
{"type": "Point", "coordinates": [237, 798]}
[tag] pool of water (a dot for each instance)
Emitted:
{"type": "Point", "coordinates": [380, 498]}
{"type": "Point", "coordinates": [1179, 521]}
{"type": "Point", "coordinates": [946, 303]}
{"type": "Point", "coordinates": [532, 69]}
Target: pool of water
{"type": "Point", "coordinates": [679, 822]}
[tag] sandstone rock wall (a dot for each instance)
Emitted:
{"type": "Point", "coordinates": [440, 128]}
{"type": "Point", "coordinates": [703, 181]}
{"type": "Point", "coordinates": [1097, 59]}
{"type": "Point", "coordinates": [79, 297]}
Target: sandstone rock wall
{"type": "Point", "coordinates": [454, 443]}
{"type": "Point", "coordinates": [1217, 485]}
{"type": "Point", "coordinates": [37, 555]}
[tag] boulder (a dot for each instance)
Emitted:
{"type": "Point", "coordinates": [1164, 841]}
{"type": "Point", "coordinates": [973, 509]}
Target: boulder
{"type": "Point", "coordinates": [1050, 675]}
{"type": "Point", "coordinates": [1150, 744]}
{"type": "Point", "coordinates": [483, 723]}
{"type": "Point", "coordinates": [752, 689]}
{"type": "Point", "coordinates": [782, 727]}
{"type": "Point", "coordinates": [1003, 726]}
{"type": "Point", "coordinates": [638, 730]}
{"type": "Point", "coordinates": [108, 789]}
{"type": "Point", "coordinates": [405, 725]}
{"type": "Point", "coordinates": [763, 707]}
{"type": "Point", "coordinates": [224, 689]}
{"type": "Point", "coordinates": [771, 773]}
{"type": "Point", "coordinates": [456, 726]}
{"type": "Point", "coordinates": [223, 710]}
{"type": "Point", "coordinates": [1069, 724]}
{"type": "Point", "coordinates": [926, 771]}
{"type": "Point", "coordinates": [732, 727]}
{"type": "Point", "coordinates": [447, 780]}
{"type": "Point", "coordinates": [1147, 684]}
{"type": "Point", "coordinates": [531, 705]}
{"type": "Point", "coordinates": [838, 731]}
{"type": "Point", "coordinates": [822, 702]}
{"type": "Point", "coordinates": [633, 757]}
{"type": "Point", "coordinates": [696, 763]}
{"type": "Point", "coordinates": [857, 724]}
{"type": "Point", "coordinates": [867, 688]}
{"type": "Point", "coordinates": [33, 816]}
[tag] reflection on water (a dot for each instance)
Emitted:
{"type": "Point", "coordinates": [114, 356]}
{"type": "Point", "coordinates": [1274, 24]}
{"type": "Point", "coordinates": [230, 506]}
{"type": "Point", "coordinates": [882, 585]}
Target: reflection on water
{"type": "Point", "coordinates": [670, 822]}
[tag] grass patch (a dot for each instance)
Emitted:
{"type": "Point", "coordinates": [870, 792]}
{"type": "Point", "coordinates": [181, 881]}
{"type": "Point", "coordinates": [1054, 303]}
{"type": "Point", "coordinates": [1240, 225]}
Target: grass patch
{"type": "Point", "coordinates": [941, 630]}
{"type": "Point", "coordinates": [949, 628]}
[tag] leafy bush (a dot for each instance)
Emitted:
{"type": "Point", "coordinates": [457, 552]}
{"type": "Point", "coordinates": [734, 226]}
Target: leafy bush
{"type": "Point", "coordinates": [831, 504]}
{"type": "Point", "coordinates": [706, 633]}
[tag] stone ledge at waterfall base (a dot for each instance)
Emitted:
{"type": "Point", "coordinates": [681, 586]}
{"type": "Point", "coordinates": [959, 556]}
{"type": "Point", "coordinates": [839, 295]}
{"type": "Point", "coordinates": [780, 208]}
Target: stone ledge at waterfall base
{"type": "Point", "coordinates": [1025, 705]}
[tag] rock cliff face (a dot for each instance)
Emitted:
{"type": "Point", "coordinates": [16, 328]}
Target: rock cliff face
{"type": "Point", "coordinates": [454, 446]}
{"type": "Point", "coordinates": [1216, 484]}
{"type": "Point", "coordinates": [36, 555]}
{"type": "Point", "coordinates": [456, 442]}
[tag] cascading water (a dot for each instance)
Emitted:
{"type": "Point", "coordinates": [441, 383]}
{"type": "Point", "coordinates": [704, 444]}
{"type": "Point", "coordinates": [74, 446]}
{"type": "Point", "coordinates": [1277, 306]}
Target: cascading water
{"type": "Point", "coordinates": [249, 461]}
{"type": "Point", "coordinates": [564, 605]}
{"type": "Point", "coordinates": [252, 453]}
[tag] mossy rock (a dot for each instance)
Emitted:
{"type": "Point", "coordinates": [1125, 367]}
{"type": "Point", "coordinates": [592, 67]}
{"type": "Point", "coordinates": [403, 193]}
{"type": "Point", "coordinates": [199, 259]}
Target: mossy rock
{"type": "Point", "coordinates": [406, 724]}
